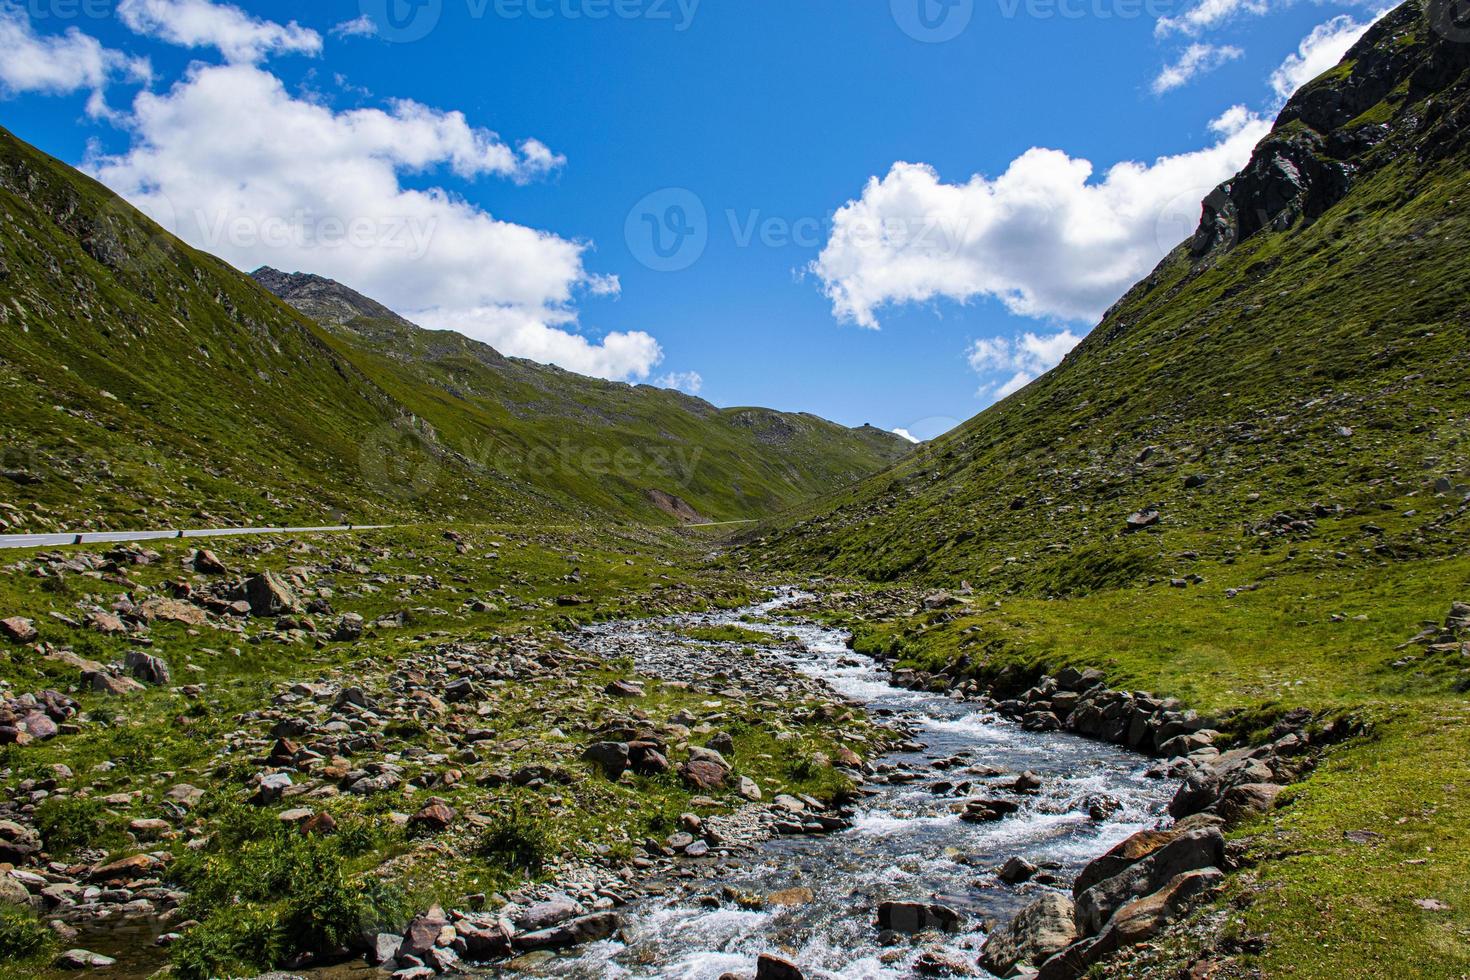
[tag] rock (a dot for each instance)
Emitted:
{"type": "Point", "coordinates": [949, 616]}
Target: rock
{"type": "Point", "coordinates": [271, 786]}
{"type": "Point", "coordinates": [434, 818]}
{"type": "Point", "coordinates": [348, 628]}
{"type": "Point", "coordinates": [1139, 520]}
{"type": "Point", "coordinates": [106, 623]}
{"type": "Point", "coordinates": [124, 869]}
{"type": "Point", "coordinates": [623, 689]}
{"type": "Point", "coordinates": [938, 963]}
{"type": "Point", "coordinates": [268, 595]}
{"type": "Point", "coordinates": [1242, 802]}
{"type": "Point", "coordinates": [1192, 851]}
{"type": "Point", "coordinates": [612, 757]}
{"type": "Point", "coordinates": [82, 959]}
{"type": "Point", "coordinates": [319, 824]}
{"type": "Point", "coordinates": [1122, 856]}
{"type": "Point", "coordinates": [17, 842]}
{"type": "Point", "coordinates": [791, 897]}
{"type": "Point", "coordinates": [1038, 932]}
{"type": "Point", "coordinates": [702, 775]}
{"type": "Point", "coordinates": [575, 932]}
{"type": "Point", "coordinates": [544, 915]}
{"type": "Point", "coordinates": [17, 629]}
{"type": "Point", "coordinates": [12, 892]}
{"type": "Point", "coordinates": [184, 795]}
{"type": "Point", "coordinates": [107, 683]}
{"type": "Point", "coordinates": [172, 611]}
{"type": "Point", "coordinates": [384, 948]}
{"type": "Point", "coordinates": [423, 932]}
{"type": "Point", "coordinates": [768, 967]}
{"type": "Point", "coordinates": [206, 562]}
{"type": "Point", "coordinates": [147, 668]}
{"type": "Point", "coordinates": [1016, 870]}
{"type": "Point", "coordinates": [698, 754]}
{"type": "Point", "coordinates": [748, 789]}
{"type": "Point", "coordinates": [1196, 794]}
{"type": "Point", "coordinates": [913, 917]}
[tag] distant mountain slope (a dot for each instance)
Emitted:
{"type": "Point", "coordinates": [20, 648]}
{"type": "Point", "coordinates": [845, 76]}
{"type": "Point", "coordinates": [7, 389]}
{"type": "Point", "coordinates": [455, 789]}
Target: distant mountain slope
{"type": "Point", "coordinates": [146, 383]}
{"type": "Point", "coordinates": [1301, 366]}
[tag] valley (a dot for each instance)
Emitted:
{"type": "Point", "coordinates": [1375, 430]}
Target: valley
{"type": "Point", "coordinates": [336, 647]}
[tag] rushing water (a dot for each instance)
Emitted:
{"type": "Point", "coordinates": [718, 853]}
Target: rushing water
{"type": "Point", "coordinates": [905, 842]}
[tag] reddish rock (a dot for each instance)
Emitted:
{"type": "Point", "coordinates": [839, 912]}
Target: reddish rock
{"type": "Point", "coordinates": [434, 818]}
{"type": "Point", "coordinates": [19, 629]}
{"type": "Point", "coordinates": [702, 775]}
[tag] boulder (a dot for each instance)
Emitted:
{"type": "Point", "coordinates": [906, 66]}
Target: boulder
{"type": "Point", "coordinates": [104, 682]}
{"type": "Point", "coordinates": [574, 932]}
{"type": "Point", "coordinates": [422, 933]}
{"type": "Point", "coordinates": [206, 562]}
{"type": "Point", "coordinates": [1191, 851]}
{"type": "Point", "coordinates": [348, 628]}
{"type": "Point", "coordinates": [1038, 932]}
{"type": "Point", "coordinates": [147, 668]}
{"type": "Point", "coordinates": [82, 959]}
{"type": "Point", "coordinates": [18, 629]}
{"type": "Point", "coordinates": [17, 842]}
{"type": "Point", "coordinates": [268, 595]}
{"type": "Point", "coordinates": [612, 757]}
{"type": "Point", "coordinates": [433, 818]}
{"type": "Point", "coordinates": [705, 776]}
{"type": "Point", "coordinates": [172, 611]}
{"type": "Point", "coordinates": [914, 917]}
{"type": "Point", "coordinates": [769, 967]}
{"type": "Point", "coordinates": [1242, 802]}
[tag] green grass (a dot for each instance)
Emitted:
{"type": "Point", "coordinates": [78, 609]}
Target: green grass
{"type": "Point", "coordinates": [150, 385]}
{"type": "Point", "coordinates": [1318, 375]}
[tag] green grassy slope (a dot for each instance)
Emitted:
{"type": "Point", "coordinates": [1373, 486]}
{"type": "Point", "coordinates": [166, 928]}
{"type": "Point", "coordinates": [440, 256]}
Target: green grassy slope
{"type": "Point", "coordinates": [1289, 391]}
{"type": "Point", "coordinates": [607, 443]}
{"type": "Point", "coordinates": [146, 383]}
{"type": "Point", "coordinates": [1322, 364]}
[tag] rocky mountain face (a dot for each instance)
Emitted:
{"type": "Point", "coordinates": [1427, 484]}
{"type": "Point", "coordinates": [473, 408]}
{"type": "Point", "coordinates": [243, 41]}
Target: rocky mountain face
{"type": "Point", "coordinates": [147, 383]}
{"type": "Point", "coordinates": [1300, 361]}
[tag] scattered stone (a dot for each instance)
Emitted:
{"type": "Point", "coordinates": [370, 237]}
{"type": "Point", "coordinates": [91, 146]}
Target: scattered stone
{"type": "Point", "coordinates": [17, 629]}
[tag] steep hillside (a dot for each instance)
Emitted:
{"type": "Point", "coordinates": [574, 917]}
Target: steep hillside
{"type": "Point", "coordinates": [147, 383]}
{"type": "Point", "coordinates": [619, 447]}
{"type": "Point", "coordinates": [1247, 489]}
{"type": "Point", "coordinates": [1296, 371]}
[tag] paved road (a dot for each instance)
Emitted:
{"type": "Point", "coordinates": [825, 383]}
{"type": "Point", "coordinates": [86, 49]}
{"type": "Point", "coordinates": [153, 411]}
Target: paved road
{"type": "Point", "coordinates": [108, 537]}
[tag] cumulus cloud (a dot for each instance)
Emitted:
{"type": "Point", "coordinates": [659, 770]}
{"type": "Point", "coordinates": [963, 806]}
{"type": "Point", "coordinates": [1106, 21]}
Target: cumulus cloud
{"type": "Point", "coordinates": [202, 24]}
{"type": "Point", "coordinates": [235, 165]}
{"type": "Point", "coordinates": [689, 382]}
{"type": "Point", "coordinates": [1319, 51]}
{"type": "Point", "coordinates": [1044, 238]}
{"type": "Point", "coordinates": [59, 63]}
{"type": "Point", "coordinates": [363, 26]}
{"type": "Point", "coordinates": [1193, 61]}
{"type": "Point", "coordinates": [1011, 363]}
{"type": "Point", "coordinates": [1209, 14]}
{"type": "Point", "coordinates": [903, 433]}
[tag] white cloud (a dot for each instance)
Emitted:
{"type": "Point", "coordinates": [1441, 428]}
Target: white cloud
{"type": "Point", "coordinates": [903, 433]}
{"type": "Point", "coordinates": [1208, 14]}
{"type": "Point", "coordinates": [689, 382]}
{"type": "Point", "coordinates": [617, 356]}
{"type": "Point", "coordinates": [1318, 52]}
{"type": "Point", "coordinates": [237, 166]}
{"type": "Point", "coordinates": [1044, 238]}
{"type": "Point", "coordinates": [59, 63]}
{"type": "Point", "coordinates": [363, 26]}
{"type": "Point", "coordinates": [202, 24]}
{"type": "Point", "coordinates": [1019, 360]}
{"type": "Point", "coordinates": [1193, 61]}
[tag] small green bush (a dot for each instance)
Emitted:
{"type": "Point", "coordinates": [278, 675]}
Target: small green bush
{"type": "Point", "coordinates": [22, 935]}
{"type": "Point", "coordinates": [517, 842]}
{"type": "Point", "coordinates": [67, 823]}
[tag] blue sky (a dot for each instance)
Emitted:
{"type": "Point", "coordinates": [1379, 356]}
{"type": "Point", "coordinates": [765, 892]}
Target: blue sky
{"type": "Point", "coordinates": [875, 210]}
